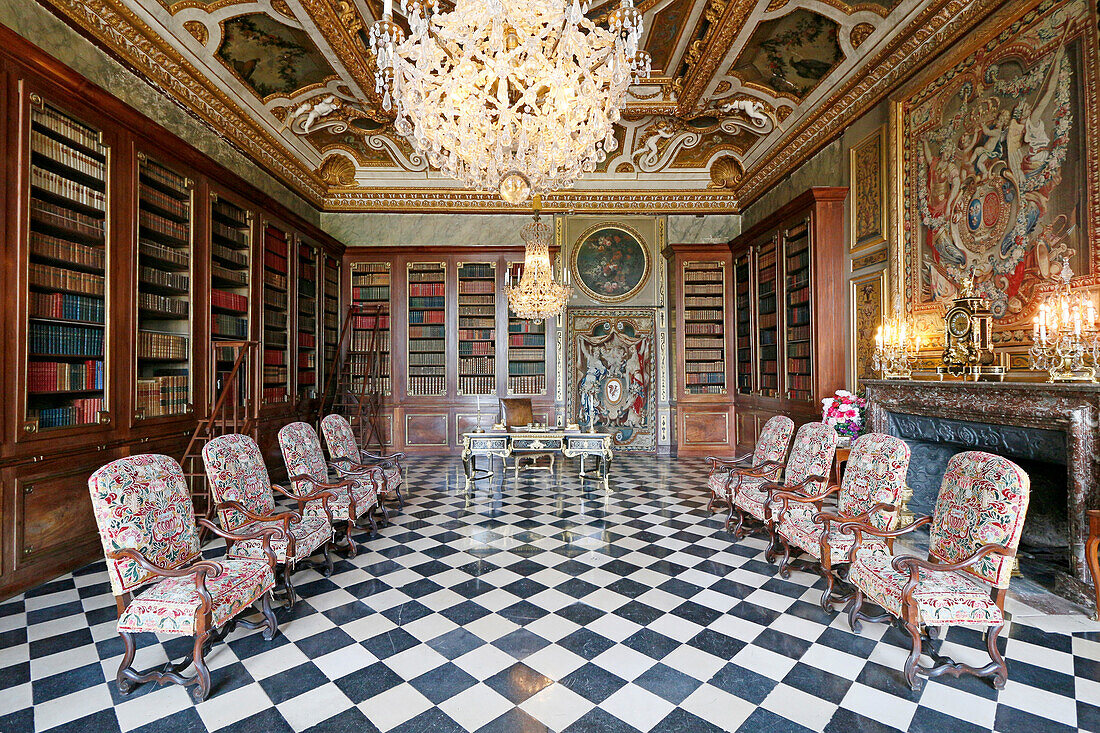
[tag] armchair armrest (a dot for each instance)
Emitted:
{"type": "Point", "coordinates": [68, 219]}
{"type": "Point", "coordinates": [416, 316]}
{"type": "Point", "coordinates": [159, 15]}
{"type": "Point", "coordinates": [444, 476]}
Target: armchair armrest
{"type": "Point", "coordinates": [827, 517]}
{"type": "Point", "coordinates": [342, 483]}
{"type": "Point", "coordinates": [200, 570]}
{"type": "Point", "coordinates": [303, 499]}
{"type": "Point", "coordinates": [717, 462]}
{"type": "Point", "coordinates": [787, 496]}
{"type": "Point", "coordinates": [858, 529]}
{"type": "Point", "coordinates": [265, 536]}
{"type": "Point", "coordinates": [394, 458]}
{"type": "Point", "coordinates": [287, 518]}
{"type": "Point", "coordinates": [914, 564]}
{"type": "Point", "coordinates": [760, 471]}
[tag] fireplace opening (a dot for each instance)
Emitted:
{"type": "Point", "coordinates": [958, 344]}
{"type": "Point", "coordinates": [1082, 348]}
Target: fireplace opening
{"type": "Point", "coordinates": [1044, 555]}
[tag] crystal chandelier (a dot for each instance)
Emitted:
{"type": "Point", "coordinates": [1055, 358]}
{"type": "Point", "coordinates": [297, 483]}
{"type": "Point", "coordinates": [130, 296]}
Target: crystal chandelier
{"type": "Point", "coordinates": [514, 96]}
{"type": "Point", "coordinates": [537, 296]}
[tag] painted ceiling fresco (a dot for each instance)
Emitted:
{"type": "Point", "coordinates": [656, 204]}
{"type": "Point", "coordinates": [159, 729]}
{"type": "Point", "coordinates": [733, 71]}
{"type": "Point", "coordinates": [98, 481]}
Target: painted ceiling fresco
{"type": "Point", "coordinates": [742, 91]}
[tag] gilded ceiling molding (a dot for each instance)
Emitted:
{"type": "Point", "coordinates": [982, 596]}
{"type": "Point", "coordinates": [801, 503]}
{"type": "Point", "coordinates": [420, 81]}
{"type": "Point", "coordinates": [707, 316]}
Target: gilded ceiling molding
{"type": "Point", "coordinates": [339, 25]}
{"type": "Point", "coordinates": [935, 28]}
{"type": "Point", "coordinates": [337, 171]}
{"type": "Point", "coordinates": [123, 34]}
{"type": "Point", "coordinates": [720, 38]}
{"type": "Point", "coordinates": [713, 201]}
{"type": "Point", "coordinates": [860, 33]}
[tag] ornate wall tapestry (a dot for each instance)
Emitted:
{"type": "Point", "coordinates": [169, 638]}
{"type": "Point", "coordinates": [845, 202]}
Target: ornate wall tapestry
{"type": "Point", "coordinates": [867, 176]}
{"type": "Point", "coordinates": [997, 177]}
{"type": "Point", "coordinates": [868, 303]}
{"type": "Point", "coordinates": [610, 262]}
{"type": "Point", "coordinates": [612, 374]}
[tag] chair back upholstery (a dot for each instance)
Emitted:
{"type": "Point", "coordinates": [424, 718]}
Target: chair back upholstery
{"type": "Point", "coordinates": [773, 442]}
{"type": "Point", "coordinates": [142, 503]}
{"type": "Point", "coordinates": [516, 411]}
{"type": "Point", "coordinates": [236, 471]}
{"type": "Point", "coordinates": [302, 455]}
{"type": "Point", "coordinates": [876, 471]}
{"type": "Point", "coordinates": [983, 500]}
{"type": "Point", "coordinates": [340, 439]}
{"type": "Point", "coordinates": [811, 455]}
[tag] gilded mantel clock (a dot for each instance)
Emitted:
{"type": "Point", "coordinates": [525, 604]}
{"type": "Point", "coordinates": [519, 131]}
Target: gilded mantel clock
{"type": "Point", "coordinates": [968, 339]}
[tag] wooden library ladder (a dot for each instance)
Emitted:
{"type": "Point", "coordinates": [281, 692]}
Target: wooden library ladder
{"type": "Point", "coordinates": [357, 396]}
{"type": "Point", "coordinates": [232, 413]}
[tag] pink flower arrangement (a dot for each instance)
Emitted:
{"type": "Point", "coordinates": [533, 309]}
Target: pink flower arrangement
{"type": "Point", "coordinates": [844, 411]}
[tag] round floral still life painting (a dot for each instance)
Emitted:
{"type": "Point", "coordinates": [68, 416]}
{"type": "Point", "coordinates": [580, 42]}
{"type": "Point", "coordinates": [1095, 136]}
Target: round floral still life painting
{"type": "Point", "coordinates": [610, 263]}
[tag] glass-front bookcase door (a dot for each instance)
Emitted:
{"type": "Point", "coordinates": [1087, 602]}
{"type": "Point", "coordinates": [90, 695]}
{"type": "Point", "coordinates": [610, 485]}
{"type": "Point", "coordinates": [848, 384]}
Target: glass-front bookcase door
{"type": "Point", "coordinates": [67, 357]}
{"type": "Point", "coordinates": [163, 352]}
{"type": "Point", "coordinates": [427, 319]}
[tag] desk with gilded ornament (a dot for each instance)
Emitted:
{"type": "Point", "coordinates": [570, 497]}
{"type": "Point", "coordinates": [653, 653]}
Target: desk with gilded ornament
{"type": "Point", "coordinates": [519, 442]}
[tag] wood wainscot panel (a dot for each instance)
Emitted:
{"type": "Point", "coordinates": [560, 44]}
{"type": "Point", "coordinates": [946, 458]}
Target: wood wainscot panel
{"type": "Point", "coordinates": [427, 430]}
{"type": "Point", "coordinates": [54, 530]}
{"type": "Point", "coordinates": [746, 421]}
{"type": "Point", "coordinates": [704, 430]}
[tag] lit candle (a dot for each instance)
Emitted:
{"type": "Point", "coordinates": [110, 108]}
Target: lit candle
{"type": "Point", "coordinates": [387, 11]}
{"type": "Point", "coordinates": [878, 337]}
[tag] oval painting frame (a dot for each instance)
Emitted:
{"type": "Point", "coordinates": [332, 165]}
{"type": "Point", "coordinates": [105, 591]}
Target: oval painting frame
{"type": "Point", "coordinates": [604, 247]}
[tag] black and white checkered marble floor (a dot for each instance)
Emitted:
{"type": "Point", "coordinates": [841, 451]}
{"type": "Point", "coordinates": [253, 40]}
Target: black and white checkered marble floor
{"type": "Point", "coordinates": [543, 605]}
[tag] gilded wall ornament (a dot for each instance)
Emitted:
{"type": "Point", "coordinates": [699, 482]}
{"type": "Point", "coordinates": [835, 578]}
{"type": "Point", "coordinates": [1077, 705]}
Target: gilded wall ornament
{"type": "Point", "coordinates": [337, 171]}
{"type": "Point", "coordinates": [726, 172]}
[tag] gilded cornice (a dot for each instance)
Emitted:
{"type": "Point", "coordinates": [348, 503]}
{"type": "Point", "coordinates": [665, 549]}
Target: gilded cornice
{"type": "Point", "coordinates": [935, 27]}
{"type": "Point", "coordinates": [339, 33]}
{"type": "Point", "coordinates": [442, 199]}
{"type": "Point", "coordinates": [126, 36]}
{"type": "Point", "coordinates": [731, 23]}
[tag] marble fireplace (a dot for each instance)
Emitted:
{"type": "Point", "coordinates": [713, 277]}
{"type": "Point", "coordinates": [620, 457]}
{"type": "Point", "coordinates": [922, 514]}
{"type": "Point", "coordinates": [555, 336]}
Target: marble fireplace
{"type": "Point", "coordinates": [1051, 430]}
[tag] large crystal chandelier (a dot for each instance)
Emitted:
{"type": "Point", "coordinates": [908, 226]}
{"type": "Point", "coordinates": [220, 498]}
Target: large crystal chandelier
{"type": "Point", "coordinates": [537, 296]}
{"type": "Point", "coordinates": [515, 96]}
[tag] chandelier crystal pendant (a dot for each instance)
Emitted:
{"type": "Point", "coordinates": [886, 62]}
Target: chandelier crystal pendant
{"type": "Point", "coordinates": [537, 296]}
{"type": "Point", "coordinates": [519, 97]}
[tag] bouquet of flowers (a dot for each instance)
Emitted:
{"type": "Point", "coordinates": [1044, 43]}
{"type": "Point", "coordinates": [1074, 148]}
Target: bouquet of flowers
{"type": "Point", "coordinates": [844, 411]}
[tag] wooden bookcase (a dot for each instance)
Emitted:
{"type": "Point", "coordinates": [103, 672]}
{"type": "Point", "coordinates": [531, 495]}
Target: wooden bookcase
{"type": "Point", "coordinates": [130, 256]}
{"type": "Point", "coordinates": [788, 279]}
{"type": "Point", "coordinates": [371, 289]}
{"type": "Point", "coordinates": [446, 345]}
{"type": "Point", "coordinates": [330, 314]}
{"type": "Point", "coordinates": [703, 287]}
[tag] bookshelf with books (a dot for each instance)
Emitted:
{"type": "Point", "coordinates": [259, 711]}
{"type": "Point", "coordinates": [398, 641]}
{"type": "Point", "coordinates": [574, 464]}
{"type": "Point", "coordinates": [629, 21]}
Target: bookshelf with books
{"type": "Point", "coordinates": [67, 325]}
{"type": "Point", "coordinates": [795, 263]}
{"type": "Point", "coordinates": [371, 284]}
{"type": "Point", "coordinates": [797, 301]}
{"type": "Point", "coordinates": [330, 315]}
{"type": "Point", "coordinates": [163, 351]}
{"type": "Point", "coordinates": [742, 287]}
{"type": "Point", "coordinates": [427, 329]}
{"type": "Point", "coordinates": [275, 347]}
{"type": "Point", "coordinates": [477, 320]}
{"type": "Point", "coordinates": [306, 346]}
{"type": "Point", "coordinates": [702, 289]}
{"type": "Point", "coordinates": [230, 291]}
{"type": "Point", "coordinates": [526, 350]}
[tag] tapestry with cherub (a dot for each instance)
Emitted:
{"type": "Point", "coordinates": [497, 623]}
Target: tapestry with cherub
{"type": "Point", "coordinates": [996, 180]}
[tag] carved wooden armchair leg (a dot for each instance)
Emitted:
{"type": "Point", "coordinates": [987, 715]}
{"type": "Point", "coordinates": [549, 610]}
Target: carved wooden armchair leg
{"type": "Point", "coordinates": [911, 662]}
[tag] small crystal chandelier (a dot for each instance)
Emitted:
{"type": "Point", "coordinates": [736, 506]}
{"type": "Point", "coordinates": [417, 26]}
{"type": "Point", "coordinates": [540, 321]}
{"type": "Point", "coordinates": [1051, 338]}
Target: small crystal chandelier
{"type": "Point", "coordinates": [516, 96]}
{"type": "Point", "coordinates": [537, 296]}
{"type": "Point", "coordinates": [1065, 337]}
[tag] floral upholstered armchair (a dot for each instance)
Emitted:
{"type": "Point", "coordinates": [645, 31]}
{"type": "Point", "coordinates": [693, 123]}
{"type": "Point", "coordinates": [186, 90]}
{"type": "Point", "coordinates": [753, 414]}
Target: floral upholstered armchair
{"type": "Point", "coordinates": [347, 500]}
{"type": "Point", "coordinates": [807, 472]}
{"type": "Point", "coordinates": [763, 464]}
{"type": "Point", "coordinates": [348, 459]}
{"type": "Point", "coordinates": [151, 543]}
{"type": "Point", "coordinates": [973, 536]}
{"type": "Point", "coordinates": [870, 491]}
{"type": "Point", "coordinates": [245, 499]}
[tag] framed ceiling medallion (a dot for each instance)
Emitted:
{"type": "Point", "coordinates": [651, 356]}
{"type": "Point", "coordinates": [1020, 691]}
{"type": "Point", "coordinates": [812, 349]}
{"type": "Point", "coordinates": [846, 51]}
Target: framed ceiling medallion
{"type": "Point", "coordinates": [610, 262]}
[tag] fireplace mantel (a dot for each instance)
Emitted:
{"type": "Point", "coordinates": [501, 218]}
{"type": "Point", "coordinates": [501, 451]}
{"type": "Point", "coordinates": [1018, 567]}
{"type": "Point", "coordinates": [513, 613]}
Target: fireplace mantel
{"type": "Point", "coordinates": [1067, 411]}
